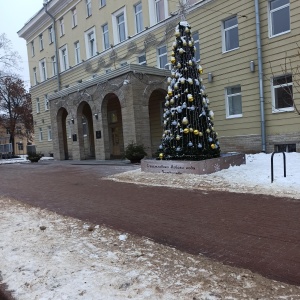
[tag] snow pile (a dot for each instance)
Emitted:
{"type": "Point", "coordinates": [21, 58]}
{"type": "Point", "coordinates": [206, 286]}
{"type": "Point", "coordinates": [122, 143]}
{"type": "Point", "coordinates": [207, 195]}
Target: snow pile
{"type": "Point", "coordinates": [47, 256]}
{"type": "Point", "coordinates": [253, 177]}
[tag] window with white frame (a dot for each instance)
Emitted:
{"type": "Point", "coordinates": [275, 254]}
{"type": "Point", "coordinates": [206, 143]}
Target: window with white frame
{"type": "Point", "coordinates": [38, 107]}
{"type": "Point", "coordinates": [54, 66]}
{"type": "Point", "coordinates": [119, 25]}
{"type": "Point", "coordinates": [74, 17]}
{"type": "Point", "coordinates": [32, 49]}
{"type": "Point", "coordinates": [230, 34]}
{"type": "Point", "coordinates": [142, 59]}
{"type": "Point", "coordinates": [46, 102]}
{"type": "Point", "coordinates": [233, 102]}
{"type": "Point", "coordinates": [102, 3]}
{"type": "Point", "coordinates": [40, 134]}
{"type": "Point", "coordinates": [49, 133]}
{"type": "Point", "coordinates": [64, 60]}
{"type": "Point", "coordinates": [77, 52]}
{"type": "Point", "coordinates": [279, 17]}
{"type": "Point", "coordinates": [139, 24]}
{"type": "Point", "coordinates": [34, 76]}
{"type": "Point", "coordinates": [158, 11]}
{"type": "Point", "coordinates": [195, 36]}
{"type": "Point", "coordinates": [61, 27]}
{"type": "Point", "coordinates": [51, 34]}
{"type": "Point", "coordinates": [162, 57]}
{"type": "Point", "coordinates": [41, 42]}
{"type": "Point", "coordinates": [105, 36]}
{"type": "Point", "coordinates": [90, 43]}
{"type": "Point", "coordinates": [43, 69]}
{"type": "Point", "coordinates": [282, 93]}
{"type": "Point", "coordinates": [88, 8]}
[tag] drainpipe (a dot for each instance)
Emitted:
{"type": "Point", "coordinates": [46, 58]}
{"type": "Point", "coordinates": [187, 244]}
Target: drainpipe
{"type": "Point", "coordinates": [55, 45]}
{"type": "Point", "coordinates": [260, 76]}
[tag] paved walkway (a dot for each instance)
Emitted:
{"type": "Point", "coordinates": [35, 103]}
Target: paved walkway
{"type": "Point", "coordinates": [260, 233]}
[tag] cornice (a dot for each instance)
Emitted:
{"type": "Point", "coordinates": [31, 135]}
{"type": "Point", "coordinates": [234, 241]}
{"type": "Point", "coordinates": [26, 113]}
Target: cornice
{"type": "Point", "coordinates": [40, 19]}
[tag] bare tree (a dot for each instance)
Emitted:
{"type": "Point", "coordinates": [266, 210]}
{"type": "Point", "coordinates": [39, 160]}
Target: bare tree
{"type": "Point", "coordinates": [9, 59]}
{"type": "Point", "coordinates": [15, 108]}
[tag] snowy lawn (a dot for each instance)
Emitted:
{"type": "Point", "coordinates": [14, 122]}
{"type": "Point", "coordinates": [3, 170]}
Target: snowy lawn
{"type": "Point", "coordinates": [253, 177]}
{"type": "Point", "coordinates": [47, 256]}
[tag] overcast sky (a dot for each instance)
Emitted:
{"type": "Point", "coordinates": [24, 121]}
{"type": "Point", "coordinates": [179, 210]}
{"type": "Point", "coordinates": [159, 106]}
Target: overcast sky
{"type": "Point", "coordinates": [13, 15]}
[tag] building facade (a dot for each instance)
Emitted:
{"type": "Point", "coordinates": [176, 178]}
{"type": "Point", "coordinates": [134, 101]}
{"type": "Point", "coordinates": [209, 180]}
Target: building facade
{"type": "Point", "coordinates": [99, 73]}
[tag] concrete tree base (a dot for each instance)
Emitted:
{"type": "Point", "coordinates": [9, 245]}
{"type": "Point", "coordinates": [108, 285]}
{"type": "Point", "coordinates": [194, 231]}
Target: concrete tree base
{"type": "Point", "coordinates": [207, 166]}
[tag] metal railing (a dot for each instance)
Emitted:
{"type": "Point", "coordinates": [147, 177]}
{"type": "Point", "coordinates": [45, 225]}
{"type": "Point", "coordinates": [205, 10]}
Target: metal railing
{"type": "Point", "coordinates": [272, 165]}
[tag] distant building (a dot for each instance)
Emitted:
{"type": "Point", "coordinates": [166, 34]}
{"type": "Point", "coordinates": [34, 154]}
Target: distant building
{"type": "Point", "coordinates": [98, 73]}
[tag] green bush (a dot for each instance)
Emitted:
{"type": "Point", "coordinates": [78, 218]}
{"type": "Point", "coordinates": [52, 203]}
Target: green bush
{"type": "Point", "coordinates": [135, 152]}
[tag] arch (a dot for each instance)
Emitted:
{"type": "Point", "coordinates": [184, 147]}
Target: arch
{"type": "Point", "coordinates": [61, 119]}
{"type": "Point", "coordinates": [156, 106]}
{"type": "Point", "coordinates": [112, 126]}
{"type": "Point", "coordinates": [85, 131]}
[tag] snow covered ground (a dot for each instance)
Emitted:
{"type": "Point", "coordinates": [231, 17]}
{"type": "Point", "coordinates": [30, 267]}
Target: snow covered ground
{"type": "Point", "coordinates": [47, 256]}
{"type": "Point", "coordinates": [253, 177]}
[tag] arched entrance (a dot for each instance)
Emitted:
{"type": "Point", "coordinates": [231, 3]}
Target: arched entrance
{"type": "Point", "coordinates": [112, 124]}
{"type": "Point", "coordinates": [62, 133]}
{"type": "Point", "coordinates": [85, 131]}
{"type": "Point", "coordinates": [156, 109]}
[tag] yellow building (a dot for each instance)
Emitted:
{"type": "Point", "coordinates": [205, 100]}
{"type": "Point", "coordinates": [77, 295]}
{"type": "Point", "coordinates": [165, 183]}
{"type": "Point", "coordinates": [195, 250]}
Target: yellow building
{"type": "Point", "coordinates": [98, 72]}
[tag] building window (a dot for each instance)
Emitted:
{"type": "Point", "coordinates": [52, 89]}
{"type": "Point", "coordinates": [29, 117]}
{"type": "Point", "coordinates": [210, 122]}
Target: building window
{"type": "Point", "coordinates": [41, 42]}
{"type": "Point", "coordinates": [105, 35]}
{"type": "Point", "coordinates": [38, 108]}
{"type": "Point", "coordinates": [84, 126]}
{"type": "Point", "coordinates": [7, 130]}
{"type": "Point", "coordinates": [49, 133]}
{"type": "Point", "coordinates": [51, 35]}
{"type": "Point", "coordinates": [43, 70]}
{"type": "Point", "coordinates": [32, 49]}
{"type": "Point", "coordinates": [102, 3]}
{"type": "Point", "coordinates": [234, 102]}
{"type": "Point", "coordinates": [107, 71]}
{"type": "Point", "coordinates": [139, 26]}
{"type": "Point", "coordinates": [123, 64]}
{"type": "Point", "coordinates": [34, 76]}
{"type": "Point", "coordinates": [230, 34]}
{"type": "Point", "coordinates": [162, 57]}
{"type": "Point", "coordinates": [279, 17]}
{"type": "Point", "coordinates": [77, 52]}
{"type": "Point", "coordinates": [285, 148]}
{"type": "Point", "coordinates": [158, 11]}
{"type": "Point", "coordinates": [40, 134]}
{"type": "Point", "coordinates": [64, 61]}
{"type": "Point", "coordinates": [120, 25]}
{"type": "Point", "coordinates": [142, 59]}
{"type": "Point", "coordinates": [90, 43]}
{"type": "Point", "coordinates": [46, 102]}
{"type": "Point", "coordinates": [282, 93]}
{"type": "Point", "coordinates": [74, 17]}
{"type": "Point", "coordinates": [197, 45]}
{"type": "Point", "coordinates": [62, 27]}
{"type": "Point", "coordinates": [54, 67]}
{"type": "Point", "coordinates": [20, 146]}
{"type": "Point", "coordinates": [88, 8]}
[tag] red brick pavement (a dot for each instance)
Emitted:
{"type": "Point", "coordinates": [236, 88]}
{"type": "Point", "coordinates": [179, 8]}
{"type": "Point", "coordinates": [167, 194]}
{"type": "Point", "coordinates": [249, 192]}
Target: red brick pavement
{"type": "Point", "coordinates": [257, 232]}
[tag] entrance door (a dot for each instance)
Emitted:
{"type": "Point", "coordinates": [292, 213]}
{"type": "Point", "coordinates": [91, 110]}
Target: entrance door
{"type": "Point", "coordinates": [115, 136]}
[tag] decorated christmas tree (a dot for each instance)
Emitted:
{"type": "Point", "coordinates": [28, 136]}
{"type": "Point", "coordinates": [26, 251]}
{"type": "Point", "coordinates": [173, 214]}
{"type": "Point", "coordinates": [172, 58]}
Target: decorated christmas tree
{"type": "Point", "coordinates": [189, 132]}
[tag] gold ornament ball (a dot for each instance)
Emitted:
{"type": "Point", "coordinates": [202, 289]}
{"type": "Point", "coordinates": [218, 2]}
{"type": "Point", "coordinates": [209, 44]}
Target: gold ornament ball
{"type": "Point", "coordinates": [212, 128]}
{"type": "Point", "coordinates": [172, 101]}
{"type": "Point", "coordinates": [186, 130]}
{"type": "Point", "coordinates": [187, 29]}
{"type": "Point", "coordinates": [190, 63]}
{"type": "Point", "coordinates": [191, 98]}
{"type": "Point", "coordinates": [200, 70]}
{"type": "Point", "coordinates": [178, 137]}
{"type": "Point", "coordinates": [170, 92]}
{"type": "Point", "coordinates": [208, 130]}
{"type": "Point", "coordinates": [173, 60]}
{"type": "Point", "coordinates": [213, 146]}
{"type": "Point", "coordinates": [191, 129]}
{"type": "Point", "coordinates": [161, 155]}
{"type": "Point", "coordinates": [200, 133]}
{"type": "Point", "coordinates": [196, 132]}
